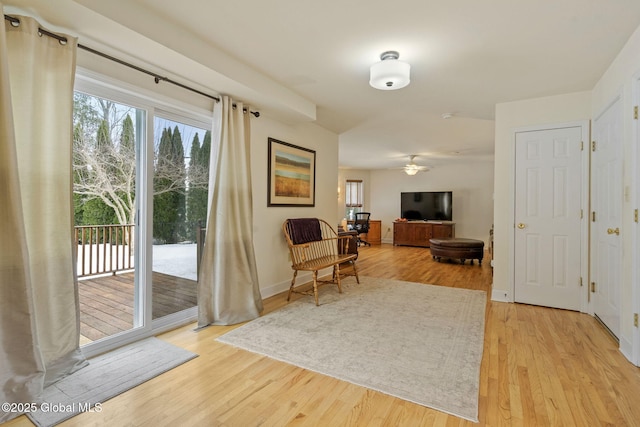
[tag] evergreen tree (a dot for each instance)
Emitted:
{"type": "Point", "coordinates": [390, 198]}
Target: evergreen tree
{"type": "Point", "coordinates": [163, 212]}
{"type": "Point", "coordinates": [97, 212]}
{"type": "Point", "coordinates": [169, 187]}
{"type": "Point", "coordinates": [197, 193]}
{"type": "Point", "coordinates": [203, 185]}
{"type": "Point", "coordinates": [180, 227]}
{"type": "Point", "coordinates": [126, 165]}
{"type": "Point", "coordinates": [195, 150]}
{"type": "Point", "coordinates": [127, 154]}
{"type": "Point", "coordinates": [205, 150]}
{"type": "Point", "coordinates": [127, 137]}
{"type": "Point", "coordinates": [192, 192]}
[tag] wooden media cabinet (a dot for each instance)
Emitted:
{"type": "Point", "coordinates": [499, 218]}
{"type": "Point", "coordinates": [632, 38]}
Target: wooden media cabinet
{"type": "Point", "coordinates": [418, 233]}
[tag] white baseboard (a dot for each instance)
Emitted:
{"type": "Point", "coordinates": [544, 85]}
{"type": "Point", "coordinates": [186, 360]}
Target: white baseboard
{"type": "Point", "coordinates": [500, 295]}
{"type": "Point", "coordinates": [275, 289]}
{"type": "Point", "coordinates": [303, 277]}
{"type": "Point", "coordinates": [626, 348]}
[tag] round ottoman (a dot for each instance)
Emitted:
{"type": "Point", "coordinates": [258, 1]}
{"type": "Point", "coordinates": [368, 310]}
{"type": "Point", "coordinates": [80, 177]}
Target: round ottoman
{"type": "Point", "coordinates": [459, 248]}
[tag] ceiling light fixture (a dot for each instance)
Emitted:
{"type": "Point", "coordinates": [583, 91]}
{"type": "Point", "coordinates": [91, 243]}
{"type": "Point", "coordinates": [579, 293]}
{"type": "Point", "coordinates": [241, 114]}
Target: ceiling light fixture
{"type": "Point", "coordinates": [390, 73]}
{"type": "Point", "coordinates": [411, 170]}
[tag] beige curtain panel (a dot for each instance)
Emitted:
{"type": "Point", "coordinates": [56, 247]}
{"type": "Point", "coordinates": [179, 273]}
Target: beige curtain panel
{"type": "Point", "coordinates": [39, 316]}
{"type": "Point", "coordinates": [228, 289]}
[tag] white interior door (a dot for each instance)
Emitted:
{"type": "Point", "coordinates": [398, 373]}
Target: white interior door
{"type": "Point", "coordinates": [548, 217]}
{"type": "Point", "coordinates": [606, 202]}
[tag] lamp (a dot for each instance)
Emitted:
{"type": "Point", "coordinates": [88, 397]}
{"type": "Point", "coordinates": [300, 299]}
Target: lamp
{"type": "Point", "coordinates": [389, 73]}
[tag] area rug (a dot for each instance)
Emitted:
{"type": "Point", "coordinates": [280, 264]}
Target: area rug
{"type": "Point", "coordinates": [107, 376]}
{"type": "Point", "coordinates": [417, 342]}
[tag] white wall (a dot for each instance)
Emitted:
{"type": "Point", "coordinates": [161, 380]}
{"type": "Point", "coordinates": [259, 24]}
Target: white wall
{"type": "Point", "coordinates": [272, 254]}
{"type": "Point", "coordinates": [621, 80]}
{"type": "Point", "coordinates": [510, 116]}
{"type": "Point", "coordinates": [471, 183]}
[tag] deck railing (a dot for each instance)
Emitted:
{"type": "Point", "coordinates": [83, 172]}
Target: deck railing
{"type": "Point", "coordinates": [104, 249]}
{"type": "Point", "coordinates": [201, 232]}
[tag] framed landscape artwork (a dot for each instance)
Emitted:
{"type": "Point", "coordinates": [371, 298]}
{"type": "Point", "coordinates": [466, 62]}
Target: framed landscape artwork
{"type": "Point", "coordinates": [292, 175]}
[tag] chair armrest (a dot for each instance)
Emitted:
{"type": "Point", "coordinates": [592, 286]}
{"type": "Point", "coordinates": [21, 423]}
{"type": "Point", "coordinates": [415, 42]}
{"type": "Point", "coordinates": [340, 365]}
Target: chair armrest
{"type": "Point", "coordinates": [348, 243]}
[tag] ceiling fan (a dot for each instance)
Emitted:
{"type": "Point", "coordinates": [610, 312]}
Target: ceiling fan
{"type": "Point", "coordinates": [412, 168]}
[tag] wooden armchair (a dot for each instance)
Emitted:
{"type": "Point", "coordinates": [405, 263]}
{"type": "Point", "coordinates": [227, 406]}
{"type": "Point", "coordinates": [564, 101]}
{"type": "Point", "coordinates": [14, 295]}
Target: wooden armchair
{"type": "Point", "coordinates": [313, 246]}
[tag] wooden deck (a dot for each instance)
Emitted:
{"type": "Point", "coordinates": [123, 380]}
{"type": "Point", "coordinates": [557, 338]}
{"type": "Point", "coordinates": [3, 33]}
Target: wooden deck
{"type": "Point", "coordinates": [106, 303]}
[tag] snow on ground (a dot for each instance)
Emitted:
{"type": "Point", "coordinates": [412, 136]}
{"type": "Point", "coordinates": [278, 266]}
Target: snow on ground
{"type": "Point", "coordinates": [176, 259]}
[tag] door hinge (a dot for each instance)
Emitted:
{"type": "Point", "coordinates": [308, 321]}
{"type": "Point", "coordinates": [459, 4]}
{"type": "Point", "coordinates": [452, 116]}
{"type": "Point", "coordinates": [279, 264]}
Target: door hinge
{"type": "Point", "coordinates": [581, 213]}
{"type": "Point", "coordinates": [635, 319]}
{"type": "Point", "coordinates": [593, 146]}
{"type": "Point", "coordinates": [635, 112]}
{"type": "Point", "coordinates": [581, 145]}
{"type": "Point", "coordinates": [581, 284]}
{"type": "Point", "coordinates": [593, 287]}
{"type": "Point", "coordinates": [593, 216]}
{"type": "Point", "coordinates": [635, 215]}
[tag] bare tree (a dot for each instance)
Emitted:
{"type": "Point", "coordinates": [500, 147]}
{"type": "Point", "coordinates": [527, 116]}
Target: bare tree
{"type": "Point", "coordinates": [105, 165]}
{"type": "Point", "coordinates": [107, 171]}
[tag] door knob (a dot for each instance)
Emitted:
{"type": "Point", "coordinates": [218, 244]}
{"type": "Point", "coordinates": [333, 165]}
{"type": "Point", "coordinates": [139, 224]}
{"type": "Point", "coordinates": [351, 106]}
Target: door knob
{"type": "Point", "coordinates": [615, 231]}
{"type": "Point", "coordinates": [521, 226]}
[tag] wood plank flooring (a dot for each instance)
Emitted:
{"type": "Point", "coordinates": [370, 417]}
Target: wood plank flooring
{"type": "Point", "coordinates": [106, 302]}
{"type": "Point", "coordinates": [541, 367]}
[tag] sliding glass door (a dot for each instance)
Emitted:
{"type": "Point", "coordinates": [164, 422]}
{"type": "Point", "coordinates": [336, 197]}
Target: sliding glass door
{"type": "Point", "coordinates": [180, 191]}
{"type": "Point", "coordinates": [140, 198]}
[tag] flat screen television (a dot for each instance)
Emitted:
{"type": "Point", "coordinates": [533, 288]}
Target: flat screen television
{"type": "Point", "coordinates": [427, 205]}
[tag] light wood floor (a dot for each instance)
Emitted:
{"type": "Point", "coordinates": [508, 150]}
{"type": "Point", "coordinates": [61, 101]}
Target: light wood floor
{"type": "Point", "coordinates": [540, 367]}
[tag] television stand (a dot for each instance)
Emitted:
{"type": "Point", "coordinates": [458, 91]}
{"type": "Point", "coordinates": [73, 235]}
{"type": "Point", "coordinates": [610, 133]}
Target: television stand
{"type": "Point", "coordinates": [418, 233]}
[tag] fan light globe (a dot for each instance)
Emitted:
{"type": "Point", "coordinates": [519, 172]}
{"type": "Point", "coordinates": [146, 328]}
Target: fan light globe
{"type": "Point", "coordinates": [389, 73]}
{"type": "Point", "coordinates": [411, 169]}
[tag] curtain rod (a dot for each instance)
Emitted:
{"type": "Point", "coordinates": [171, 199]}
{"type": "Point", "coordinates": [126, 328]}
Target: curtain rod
{"type": "Point", "coordinates": [156, 77]}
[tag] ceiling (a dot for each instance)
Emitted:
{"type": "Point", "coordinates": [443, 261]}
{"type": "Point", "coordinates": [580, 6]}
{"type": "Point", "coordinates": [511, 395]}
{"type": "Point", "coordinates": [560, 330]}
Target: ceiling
{"type": "Point", "coordinates": [314, 57]}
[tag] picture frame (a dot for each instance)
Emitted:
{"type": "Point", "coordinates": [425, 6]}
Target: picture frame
{"type": "Point", "coordinates": [291, 176]}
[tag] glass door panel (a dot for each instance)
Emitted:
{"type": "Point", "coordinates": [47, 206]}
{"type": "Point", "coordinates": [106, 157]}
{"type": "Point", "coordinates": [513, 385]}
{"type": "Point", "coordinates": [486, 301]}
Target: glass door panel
{"type": "Point", "coordinates": [180, 192]}
{"type": "Point", "coordinates": [105, 166]}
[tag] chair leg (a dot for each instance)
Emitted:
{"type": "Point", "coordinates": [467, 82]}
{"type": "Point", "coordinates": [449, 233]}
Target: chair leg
{"type": "Point", "coordinates": [363, 242]}
{"type": "Point", "coordinates": [293, 281]}
{"type": "Point", "coordinates": [337, 273]}
{"type": "Point", "coordinates": [355, 271]}
{"type": "Point", "coordinates": [315, 286]}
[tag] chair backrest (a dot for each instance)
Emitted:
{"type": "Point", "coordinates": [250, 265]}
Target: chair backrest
{"type": "Point", "coordinates": [361, 223]}
{"type": "Point", "coordinates": [328, 245]}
